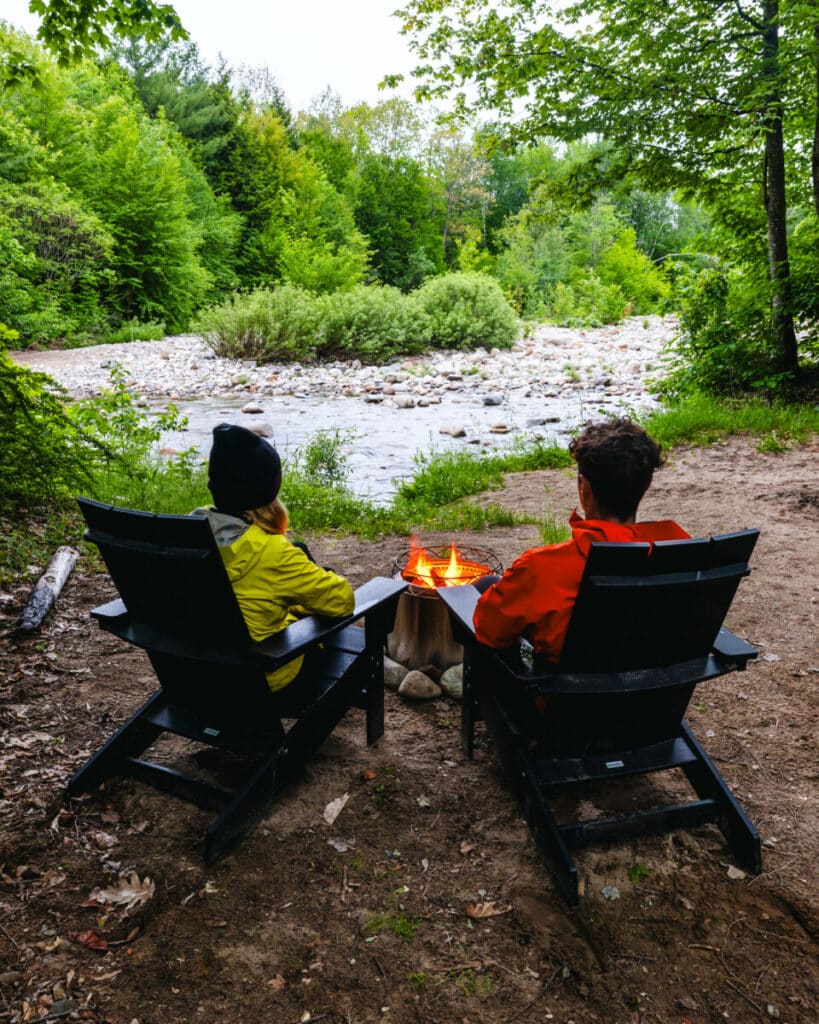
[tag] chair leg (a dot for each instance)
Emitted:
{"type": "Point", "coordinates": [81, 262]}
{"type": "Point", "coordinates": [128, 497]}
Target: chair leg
{"type": "Point", "coordinates": [469, 704]}
{"type": "Point", "coordinates": [374, 696]}
{"type": "Point", "coordinates": [135, 736]}
{"type": "Point", "coordinates": [742, 837]}
{"type": "Point", "coordinates": [546, 833]}
{"type": "Point", "coordinates": [245, 809]}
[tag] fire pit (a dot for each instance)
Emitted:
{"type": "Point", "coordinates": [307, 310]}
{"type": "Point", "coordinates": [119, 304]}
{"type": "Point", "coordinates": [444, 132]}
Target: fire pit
{"type": "Point", "coordinates": [422, 635]}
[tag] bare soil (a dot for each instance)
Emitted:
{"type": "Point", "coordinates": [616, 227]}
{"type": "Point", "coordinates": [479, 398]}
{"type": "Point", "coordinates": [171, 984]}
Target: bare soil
{"type": "Point", "coordinates": [366, 920]}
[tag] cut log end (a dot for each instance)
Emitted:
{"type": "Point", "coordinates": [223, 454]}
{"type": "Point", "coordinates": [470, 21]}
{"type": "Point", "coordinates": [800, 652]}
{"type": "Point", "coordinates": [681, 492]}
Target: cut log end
{"type": "Point", "coordinates": [48, 588]}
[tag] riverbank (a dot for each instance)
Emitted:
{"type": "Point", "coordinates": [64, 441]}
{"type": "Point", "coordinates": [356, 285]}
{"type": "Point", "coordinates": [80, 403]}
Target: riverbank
{"type": "Point", "coordinates": [542, 387]}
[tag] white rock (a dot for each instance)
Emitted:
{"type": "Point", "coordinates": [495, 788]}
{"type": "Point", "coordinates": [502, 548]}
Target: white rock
{"type": "Point", "coordinates": [417, 686]}
{"type": "Point", "coordinates": [252, 408]}
{"type": "Point", "coordinates": [453, 429]}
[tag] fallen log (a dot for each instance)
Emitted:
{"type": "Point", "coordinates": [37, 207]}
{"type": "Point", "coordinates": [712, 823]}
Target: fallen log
{"type": "Point", "coordinates": [48, 588]}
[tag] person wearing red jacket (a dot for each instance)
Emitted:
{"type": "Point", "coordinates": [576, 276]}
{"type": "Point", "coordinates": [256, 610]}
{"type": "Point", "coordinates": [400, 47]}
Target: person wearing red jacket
{"type": "Point", "coordinates": [534, 598]}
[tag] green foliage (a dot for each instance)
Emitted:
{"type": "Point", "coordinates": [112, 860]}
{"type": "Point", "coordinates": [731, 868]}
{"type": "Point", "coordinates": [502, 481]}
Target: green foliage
{"type": "Point", "coordinates": [43, 457]}
{"type": "Point", "coordinates": [266, 324]}
{"type": "Point", "coordinates": [703, 419]}
{"type": "Point", "coordinates": [323, 461]}
{"type": "Point", "coordinates": [374, 323]}
{"type": "Point", "coordinates": [552, 530]}
{"type": "Point", "coordinates": [393, 203]}
{"type": "Point", "coordinates": [623, 266]}
{"type": "Point", "coordinates": [724, 346]}
{"type": "Point", "coordinates": [466, 311]}
{"type": "Point", "coordinates": [73, 31]}
{"type": "Point", "coordinates": [638, 873]}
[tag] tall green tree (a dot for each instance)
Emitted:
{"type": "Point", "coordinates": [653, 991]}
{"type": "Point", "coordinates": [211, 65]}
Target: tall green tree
{"type": "Point", "coordinates": [716, 97]}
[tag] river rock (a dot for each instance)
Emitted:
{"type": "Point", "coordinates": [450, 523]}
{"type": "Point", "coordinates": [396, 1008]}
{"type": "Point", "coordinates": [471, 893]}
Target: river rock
{"type": "Point", "coordinates": [263, 429]}
{"type": "Point", "coordinates": [394, 673]}
{"type": "Point", "coordinates": [252, 408]}
{"type": "Point", "coordinates": [404, 402]}
{"type": "Point", "coordinates": [416, 686]}
{"type": "Point", "coordinates": [499, 428]}
{"type": "Point", "coordinates": [453, 429]}
{"type": "Point", "coordinates": [452, 682]}
{"type": "Point", "coordinates": [492, 399]}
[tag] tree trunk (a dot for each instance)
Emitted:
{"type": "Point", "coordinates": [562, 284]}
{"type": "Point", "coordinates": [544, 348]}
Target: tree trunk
{"type": "Point", "coordinates": [815, 160]}
{"type": "Point", "coordinates": [774, 193]}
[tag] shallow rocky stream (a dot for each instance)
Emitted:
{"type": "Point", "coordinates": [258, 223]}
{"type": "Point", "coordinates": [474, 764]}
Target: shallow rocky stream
{"type": "Point", "coordinates": [544, 386]}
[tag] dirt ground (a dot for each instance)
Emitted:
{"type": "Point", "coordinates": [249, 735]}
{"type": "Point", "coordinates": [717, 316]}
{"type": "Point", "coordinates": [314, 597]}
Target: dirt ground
{"type": "Point", "coordinates": [366, 920]}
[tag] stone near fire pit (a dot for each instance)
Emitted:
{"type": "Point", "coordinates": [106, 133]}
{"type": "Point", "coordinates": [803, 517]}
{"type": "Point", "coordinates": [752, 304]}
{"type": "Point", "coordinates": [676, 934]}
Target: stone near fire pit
{"type": "Point", "coordinates": [417, 686]}
{"type": "Point", "coordinates": [393, 673]}
{"type": "Point", "coordinates": [452, 682]}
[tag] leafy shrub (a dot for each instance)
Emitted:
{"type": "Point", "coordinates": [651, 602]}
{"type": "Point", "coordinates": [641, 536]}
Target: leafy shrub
{"type": "Point", "coordinates": [265, 324]}
{"type": "Point", "coordinates": [373, 322]}
{"type": "Point", "coordinates": [623, 266]}
{"type": "Point", "coordinates": [725, 342]}
{"type": "Point", "coordinates": [467, 310]}
{"type": "Point", "coordinates": [586, 302]}
{"type": "Point", "coordinates": [42, 454]}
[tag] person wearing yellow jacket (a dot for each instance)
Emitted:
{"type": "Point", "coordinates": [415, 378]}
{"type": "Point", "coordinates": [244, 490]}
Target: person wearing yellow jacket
{"type": "Point", "coordinates": [274, 580]}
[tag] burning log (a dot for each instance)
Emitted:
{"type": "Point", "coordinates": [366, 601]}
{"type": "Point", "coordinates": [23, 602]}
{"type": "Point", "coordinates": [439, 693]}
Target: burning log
{"type": "Point", "coordinates": [422, 634]}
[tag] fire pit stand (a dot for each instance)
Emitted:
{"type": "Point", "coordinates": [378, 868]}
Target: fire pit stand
{"type": "Point", "coordinates": [422, 634]}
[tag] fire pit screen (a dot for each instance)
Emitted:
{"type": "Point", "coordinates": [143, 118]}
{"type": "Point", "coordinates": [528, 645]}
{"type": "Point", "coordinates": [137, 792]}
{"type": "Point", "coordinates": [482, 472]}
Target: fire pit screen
{"type": "Point", "coordinates": [447, 566]}
{"type": "Point", "coordinates": [422, 634]}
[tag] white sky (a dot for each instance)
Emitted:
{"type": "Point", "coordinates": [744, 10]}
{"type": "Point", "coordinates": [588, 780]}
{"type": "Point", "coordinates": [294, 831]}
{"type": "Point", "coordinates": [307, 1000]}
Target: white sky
{"type": "Point", "coordinates": [306, 44]}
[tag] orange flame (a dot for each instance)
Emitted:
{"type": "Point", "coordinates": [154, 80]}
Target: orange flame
{"type": "Point", "coordinates": [424, 569]}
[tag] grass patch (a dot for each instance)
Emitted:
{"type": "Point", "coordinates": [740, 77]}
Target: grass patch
{"type": "Point", "coordinates": [400, 924]}
{"type": "Point", "coordinates": [701, 420]}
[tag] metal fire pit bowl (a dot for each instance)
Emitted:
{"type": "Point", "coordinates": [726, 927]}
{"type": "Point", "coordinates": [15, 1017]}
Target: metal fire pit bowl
{"type": "Point", "coordinates": [422, 635]}
{"type": "Point", "coordinates": [484, 561]}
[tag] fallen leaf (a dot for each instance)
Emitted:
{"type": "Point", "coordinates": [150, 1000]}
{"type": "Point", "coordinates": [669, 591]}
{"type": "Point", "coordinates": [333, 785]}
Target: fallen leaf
{"type": "Point", "coordinates": [422, 801]}
{"type": "Point", "coordinates": [342, 845]}
{"type": "Point", "coordinates": [736, 873]}
{"type": "Point", "coordinates": [467, 847]}
{"type": "Point", "coordinates": [685, 902]}
{"type": "Point", "coordinates": [277, 983]}
{"type": "Point", "coordinates": [129, 893]}
{"type": "Point", "coordinates": [103, 977]}
{"type": "Point", "coordinates": [489, 909]}
{"type": "Point", "coordinates": [368, 775]}
{"type": "Point", "coordinates": [334, 808]}
{"type": "Point", "coordinates": [90, 939]}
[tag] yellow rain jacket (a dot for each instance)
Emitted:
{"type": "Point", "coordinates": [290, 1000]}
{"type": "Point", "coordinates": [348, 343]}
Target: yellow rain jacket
{"type": "Point", "coordinates": [275, 583]}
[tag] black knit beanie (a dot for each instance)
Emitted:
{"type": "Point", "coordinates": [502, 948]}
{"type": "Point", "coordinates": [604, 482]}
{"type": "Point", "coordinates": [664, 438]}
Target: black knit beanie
{"type": "Point", "coordinates": [244, 471]}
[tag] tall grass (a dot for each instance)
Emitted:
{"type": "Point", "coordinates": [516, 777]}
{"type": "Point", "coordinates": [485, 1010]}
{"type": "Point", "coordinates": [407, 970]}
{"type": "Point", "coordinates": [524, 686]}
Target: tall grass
{"type": "Point", "coordinates": [702, 420]}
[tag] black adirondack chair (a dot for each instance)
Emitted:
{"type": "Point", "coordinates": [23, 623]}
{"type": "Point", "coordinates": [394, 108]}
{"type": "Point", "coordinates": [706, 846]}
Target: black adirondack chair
{"type": "Point", "coordinates": [177, 603]}
{"type": "Point", "coordinates": [646, 628]}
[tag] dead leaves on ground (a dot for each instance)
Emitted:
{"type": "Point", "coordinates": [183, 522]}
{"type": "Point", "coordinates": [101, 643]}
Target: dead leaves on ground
{"type": "Point", "coordinates": [129, 892]}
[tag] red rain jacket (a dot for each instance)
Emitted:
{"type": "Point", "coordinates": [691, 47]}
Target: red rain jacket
{"type": "Point", "coordinates": [536, 594]}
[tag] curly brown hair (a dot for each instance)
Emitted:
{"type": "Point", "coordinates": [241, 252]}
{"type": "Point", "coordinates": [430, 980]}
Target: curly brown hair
{"type": "Point", "coordinates": [618, 459]}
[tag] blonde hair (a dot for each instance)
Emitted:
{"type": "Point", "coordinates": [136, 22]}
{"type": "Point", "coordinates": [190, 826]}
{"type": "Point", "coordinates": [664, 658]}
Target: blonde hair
{"type": "Point", "coordinates": [272, 517]}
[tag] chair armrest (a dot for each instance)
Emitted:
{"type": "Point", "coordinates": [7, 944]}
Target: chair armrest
{"type": "Point", "coordinates": [460, 602]}
{"type": "Point", "coordinates": [107, 612]}
{"type": "Point", "coordinates": [731, 650]}
{"type": "Point", "coordinates": [371, 597]}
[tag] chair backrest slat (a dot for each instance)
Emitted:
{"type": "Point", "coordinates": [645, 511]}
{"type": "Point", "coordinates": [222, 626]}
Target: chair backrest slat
{"type": "Point", "coordinates": [168, 571]}
{"type": "Point", "coordinates": [643, 605]}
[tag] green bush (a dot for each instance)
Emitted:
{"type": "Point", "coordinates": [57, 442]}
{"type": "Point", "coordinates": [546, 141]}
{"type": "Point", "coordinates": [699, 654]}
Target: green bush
{"type": "Point", "coordinates": [586, 302]}
{"type": "Point", "coordinates": [725, 341]}
{"type": "Point", "coordinates": [266, 324]}
{"type": "Point", "coordinates": [467, 310]}
{"type": "Point", "coordinates": [623, 266]}
{"type": "Point", "coordinates": [373, 322]}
